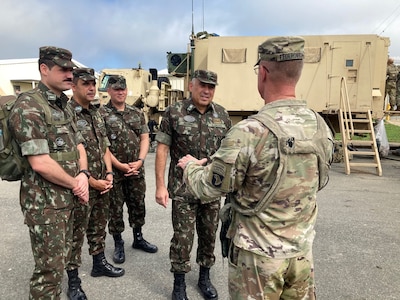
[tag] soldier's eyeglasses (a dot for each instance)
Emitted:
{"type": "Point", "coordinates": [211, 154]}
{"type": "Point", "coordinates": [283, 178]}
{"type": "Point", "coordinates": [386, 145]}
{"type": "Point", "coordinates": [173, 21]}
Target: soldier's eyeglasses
{"type": "Point", "coordinates": [257, 68]}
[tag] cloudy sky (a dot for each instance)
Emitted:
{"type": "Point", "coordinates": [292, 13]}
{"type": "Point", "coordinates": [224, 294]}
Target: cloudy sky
{"type": "Point", "coordinates": [123, 33]}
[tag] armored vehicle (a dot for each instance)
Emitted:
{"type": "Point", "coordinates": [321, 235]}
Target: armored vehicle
{"type": "Point", "coordinates": [146, 90]}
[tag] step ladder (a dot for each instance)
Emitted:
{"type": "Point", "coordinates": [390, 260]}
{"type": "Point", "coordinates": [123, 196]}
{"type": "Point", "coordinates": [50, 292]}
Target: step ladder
{"type": "Point", "coordinates": [362, 153]}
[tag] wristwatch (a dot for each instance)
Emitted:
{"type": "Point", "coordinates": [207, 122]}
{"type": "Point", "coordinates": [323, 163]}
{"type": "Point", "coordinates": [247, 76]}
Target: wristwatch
{"type": "Point", "coordinates": [111, 172]}
{"type": "Point", "coordinates": [141, 160]}
{"type": "Point", "coordinates": [86, 172]}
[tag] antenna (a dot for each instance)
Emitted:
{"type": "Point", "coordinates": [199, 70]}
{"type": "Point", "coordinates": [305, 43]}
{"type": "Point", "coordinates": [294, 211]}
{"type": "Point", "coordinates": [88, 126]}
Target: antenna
{"type": "Point", "coordinates": [392, 16]}
{"type": "Point", "coordinates": [203, 15]}
{"type": "Point", "coordinates": [192, 21]}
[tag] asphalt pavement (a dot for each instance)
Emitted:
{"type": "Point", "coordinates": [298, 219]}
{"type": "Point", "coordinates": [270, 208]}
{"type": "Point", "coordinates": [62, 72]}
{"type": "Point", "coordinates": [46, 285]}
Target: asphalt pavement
{"type": "Point", "coordinates": [356, 250]}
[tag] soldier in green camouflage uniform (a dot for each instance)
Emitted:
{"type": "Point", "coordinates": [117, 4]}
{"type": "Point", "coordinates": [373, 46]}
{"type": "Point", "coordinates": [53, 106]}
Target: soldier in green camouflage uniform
{"type": "Point", "coordinates": [129, 136]}
{"type": "Point", "coordinates": [391, 79]}
{"type": "Point", "coordinates": [194, 126]}
{"type": "Point", "coordinates": [92, 218]}
{"type": "Point", "coordinates": [53, 183]}
{"type": "Point", "coordinates": [271, 251]}
{"type": "Point", "coordinates": [398, 88]}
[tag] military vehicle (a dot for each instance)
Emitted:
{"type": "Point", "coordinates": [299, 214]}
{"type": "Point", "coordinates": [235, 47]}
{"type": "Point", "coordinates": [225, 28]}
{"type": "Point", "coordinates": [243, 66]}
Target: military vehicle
{"type": "Point", "coordinates": [146, 90]}
{"type": "Point", "coordinates": [335, 67]}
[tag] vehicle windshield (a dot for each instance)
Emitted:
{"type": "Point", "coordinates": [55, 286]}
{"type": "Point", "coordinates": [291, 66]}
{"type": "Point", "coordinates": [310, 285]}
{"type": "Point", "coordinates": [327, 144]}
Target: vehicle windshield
{"type": "Point", "coordinates": [104, 83]}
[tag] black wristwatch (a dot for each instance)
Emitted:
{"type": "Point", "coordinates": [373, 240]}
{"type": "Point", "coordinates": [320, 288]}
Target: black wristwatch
{"type": "Point", "coordinates": [86, 172]}
{"type": "Point", "coordinates": [141, 160]}
{"type": "Point", "coordinates": [110, 173]}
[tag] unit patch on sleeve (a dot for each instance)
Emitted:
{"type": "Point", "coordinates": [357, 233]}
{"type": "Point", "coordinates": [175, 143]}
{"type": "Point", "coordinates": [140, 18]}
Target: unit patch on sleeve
{"type": "Point", "coordinates": [218, 173]}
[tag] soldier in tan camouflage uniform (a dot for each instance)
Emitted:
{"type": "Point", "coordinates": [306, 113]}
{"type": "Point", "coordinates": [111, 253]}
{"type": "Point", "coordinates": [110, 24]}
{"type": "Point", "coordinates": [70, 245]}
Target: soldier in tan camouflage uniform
{"type": "Point", "coordinates": [391, 79]}
{"type": "Point", "coordinates": [194, 126]}
{"type": "Point", "coordinates": [53, 183]}
{"type": "Point", "coordinates": [92, 218]}
{"type": "Point", "coordinates": [271, 251]}
{"type": "Point", "coordinates": [129, 136]}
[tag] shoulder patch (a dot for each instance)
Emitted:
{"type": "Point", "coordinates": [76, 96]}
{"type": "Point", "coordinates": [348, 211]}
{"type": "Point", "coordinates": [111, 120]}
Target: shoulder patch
{"type": "Point", "coordinates": [218, 174]}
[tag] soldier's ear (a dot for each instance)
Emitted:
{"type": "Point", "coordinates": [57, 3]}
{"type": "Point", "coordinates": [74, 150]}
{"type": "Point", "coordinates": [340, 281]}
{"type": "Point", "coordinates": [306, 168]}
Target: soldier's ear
{"type": "Point", "coordinates": [43, 68]}
{"type": "Point", "coordinates": [190, 86]}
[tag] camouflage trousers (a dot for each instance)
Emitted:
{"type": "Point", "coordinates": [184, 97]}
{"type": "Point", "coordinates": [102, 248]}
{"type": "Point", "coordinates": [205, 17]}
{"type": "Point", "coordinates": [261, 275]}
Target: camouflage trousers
{"type": "Point", "coordinates": [256, 277]}
{"type": "Point", "coordinates": [92, 220]}
{"type": "Point", "coordinates": [51, 245]}
{"type": "Point", "coordinates": [391, 91]}
{"type": "Point", "coordinates": [398, 92]}
{"type": "Point", "coordinates": [185, 217]}
{"type": "Point", "coordinates": [132, 192]}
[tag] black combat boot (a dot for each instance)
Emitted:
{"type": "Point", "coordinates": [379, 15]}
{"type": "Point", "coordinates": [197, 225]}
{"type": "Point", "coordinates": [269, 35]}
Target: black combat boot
{"type": "Point", "coordinates": [205, 285]}
{"type": "Point", "coordinates": [179, 292]}
{"type": "Point", "coordinates": [140, 243]}
{"type": "Point", "coordinates": [75, 291]}
{"type": "Point", "coordinates": [119, 252]}
{"type": "Point", "coordinates": [101, 267]}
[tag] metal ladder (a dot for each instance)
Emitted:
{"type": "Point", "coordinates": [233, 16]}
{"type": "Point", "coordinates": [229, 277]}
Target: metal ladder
{"type": "Point", "coordinates": [352, 123]}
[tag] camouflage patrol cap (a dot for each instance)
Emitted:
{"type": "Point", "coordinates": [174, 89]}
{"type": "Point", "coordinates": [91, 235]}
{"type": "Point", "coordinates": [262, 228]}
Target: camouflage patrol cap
{"type": "Point", "coordinates": [61, 57]}
{"type": "Point", "coordinates": [282, 48]}
{"type": "Point", "coordinates": [86, 74]}
{"type": "Point", "coordinates": [206, 76]}
{"type": "Point", "coordinates": [117, 82]}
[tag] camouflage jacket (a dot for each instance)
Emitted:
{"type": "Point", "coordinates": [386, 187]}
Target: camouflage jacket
{"type": "Point", "coordinates": [123, 130]}
{"type": "Point", "coordinates": [391, 73]}
{"type": "Point", "coordinates": [40, 199]}
{"type": "Point", "coordinates": [186, 131]}
{"type": "Point", "coordinates": [92, 127]}
{"type": "Point", "coordinates": [286, 227]}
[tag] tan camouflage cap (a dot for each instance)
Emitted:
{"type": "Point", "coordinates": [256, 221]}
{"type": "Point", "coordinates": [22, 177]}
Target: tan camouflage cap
{"type": "Point", "coordinates": [281, 48]}
{"type": "Point", "coordinates": [117, 82]}
{"type": "Point", "coordinates": [61, 57]}
{"type": "Point", "coordinates": [86, 74]}
{"type": "Point", "coordinates": [206, 76]}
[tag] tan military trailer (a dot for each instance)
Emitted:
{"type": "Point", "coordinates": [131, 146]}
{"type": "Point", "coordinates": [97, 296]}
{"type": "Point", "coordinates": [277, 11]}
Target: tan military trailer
{"type": "Point", "coordinates": [332, 64]}
{"type": "Point", "coordinates": [343, 79]}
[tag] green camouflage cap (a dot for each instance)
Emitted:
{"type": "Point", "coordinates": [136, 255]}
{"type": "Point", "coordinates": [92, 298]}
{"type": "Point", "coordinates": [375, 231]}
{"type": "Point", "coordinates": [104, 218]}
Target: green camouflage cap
{"type": "Point", "coordinates": [282, 48]}
{"type": "Point", "coordinates": [206, 76]}
{"type": "Point", "coordinates": [61, 57]}
{"type": "Point", "coordinates": [86, 74]}
{"type": "Point", "coordinates": [117, 82]}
